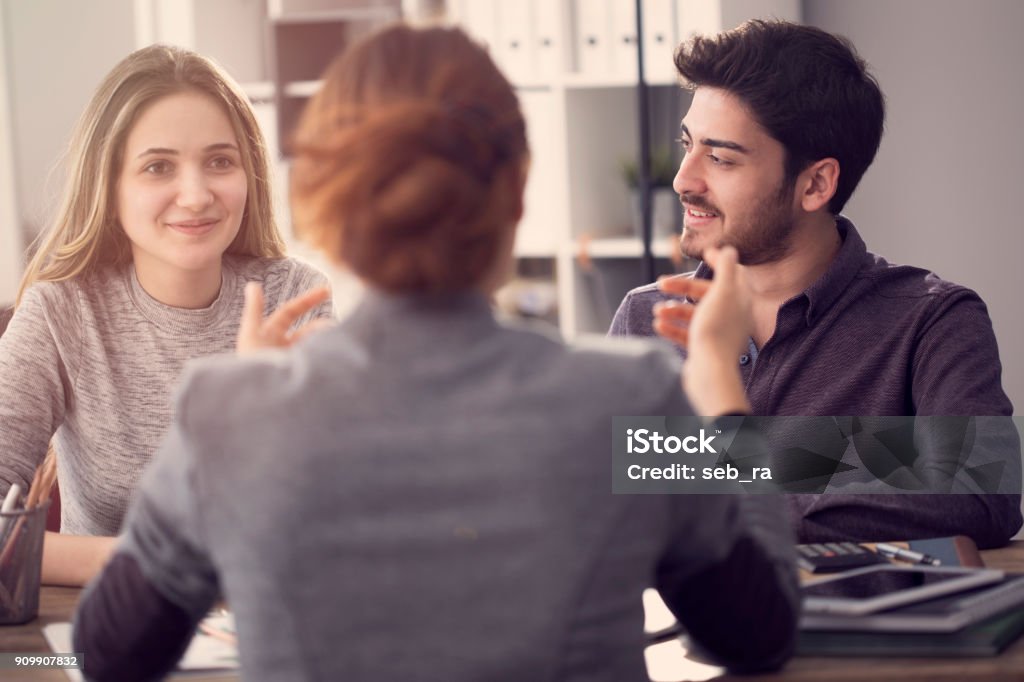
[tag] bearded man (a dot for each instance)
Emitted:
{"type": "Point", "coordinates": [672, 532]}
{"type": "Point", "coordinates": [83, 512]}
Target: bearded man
{"type": "Point", "coordinates": [784, 121]}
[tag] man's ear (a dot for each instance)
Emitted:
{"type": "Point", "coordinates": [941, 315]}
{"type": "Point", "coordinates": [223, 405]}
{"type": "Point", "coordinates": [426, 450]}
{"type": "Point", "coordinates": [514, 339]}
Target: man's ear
{"type": "Point", "coordinates": [818, 183]}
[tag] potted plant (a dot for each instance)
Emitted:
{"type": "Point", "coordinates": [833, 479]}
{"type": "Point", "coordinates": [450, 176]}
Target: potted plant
{"type": "Point", "coordinates": [666, 214]}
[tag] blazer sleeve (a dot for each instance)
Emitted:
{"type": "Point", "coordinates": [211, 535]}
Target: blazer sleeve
{"type": "Point", "coordinates": [731, 580]}
{"type": "Point", "coordinates": [162, 565]}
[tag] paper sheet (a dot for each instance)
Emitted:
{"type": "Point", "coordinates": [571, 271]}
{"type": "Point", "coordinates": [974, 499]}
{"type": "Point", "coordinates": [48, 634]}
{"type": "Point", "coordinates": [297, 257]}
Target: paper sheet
{"type": "Point", "coordinates": [667, 660]}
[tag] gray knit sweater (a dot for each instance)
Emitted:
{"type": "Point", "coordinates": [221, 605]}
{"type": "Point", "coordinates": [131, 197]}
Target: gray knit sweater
{"type": "Point", "coordinates": [94, 361]}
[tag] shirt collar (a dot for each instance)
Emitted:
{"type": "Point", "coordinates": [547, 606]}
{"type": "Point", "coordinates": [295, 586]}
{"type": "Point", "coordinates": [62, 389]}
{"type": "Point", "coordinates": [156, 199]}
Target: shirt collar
{"type": "Point", "coordinates": [187, 320]}
{"type": "Point", "coordinates": [840, 274]}
{"type": "Point", "coordinates": [831, 285]}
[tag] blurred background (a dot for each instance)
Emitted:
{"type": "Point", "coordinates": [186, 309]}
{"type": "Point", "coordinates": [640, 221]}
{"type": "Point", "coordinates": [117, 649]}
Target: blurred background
{"type": "Point", "coordinates": [939, 195]}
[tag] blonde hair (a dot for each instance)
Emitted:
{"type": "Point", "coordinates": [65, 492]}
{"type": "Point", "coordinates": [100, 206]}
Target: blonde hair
{"type": "Point", "coordinates": [86, 234]}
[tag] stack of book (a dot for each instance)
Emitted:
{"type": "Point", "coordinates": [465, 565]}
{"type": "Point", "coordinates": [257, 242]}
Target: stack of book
{"type": "Point", "coordinates": [980, 621]}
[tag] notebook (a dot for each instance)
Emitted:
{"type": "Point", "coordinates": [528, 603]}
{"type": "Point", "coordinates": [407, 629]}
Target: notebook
{"type": "Point", "coordinates": [987, 638]}
{"type": "Point", "coordinates": [957, 550]}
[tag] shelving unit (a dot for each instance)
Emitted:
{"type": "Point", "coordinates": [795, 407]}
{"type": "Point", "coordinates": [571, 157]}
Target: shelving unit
{"type": "Point", "coordinates": [303, 40]}
{"type": "Point", "coordinates": [575, 65]}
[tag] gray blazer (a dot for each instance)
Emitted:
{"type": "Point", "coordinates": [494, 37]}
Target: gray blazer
{"type": "Point", "coordinates": [423, 493]}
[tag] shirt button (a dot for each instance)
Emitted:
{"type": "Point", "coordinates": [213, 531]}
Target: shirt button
{"type": "Point", "coordinates": [744, 359]}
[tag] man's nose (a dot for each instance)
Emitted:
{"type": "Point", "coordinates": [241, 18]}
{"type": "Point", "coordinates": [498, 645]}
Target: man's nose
{"type": "Point", "coordinates": [689, 179]}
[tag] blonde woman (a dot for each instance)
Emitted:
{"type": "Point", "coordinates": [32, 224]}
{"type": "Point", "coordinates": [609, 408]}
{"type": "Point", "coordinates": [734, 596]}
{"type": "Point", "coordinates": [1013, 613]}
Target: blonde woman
{"type": "Point", "coordinates": [165, 218]}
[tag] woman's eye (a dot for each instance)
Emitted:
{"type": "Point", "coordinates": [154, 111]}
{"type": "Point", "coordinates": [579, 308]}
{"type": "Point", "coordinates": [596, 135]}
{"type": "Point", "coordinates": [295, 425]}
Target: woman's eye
{"type": "Point", "coordinates": [157, 168]}
{"type": "Point", "coordinates": [222, 162]}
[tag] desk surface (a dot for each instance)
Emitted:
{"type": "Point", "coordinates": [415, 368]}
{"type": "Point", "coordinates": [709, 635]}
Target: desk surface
{"type": "Point", "coordinates": [56, 604]}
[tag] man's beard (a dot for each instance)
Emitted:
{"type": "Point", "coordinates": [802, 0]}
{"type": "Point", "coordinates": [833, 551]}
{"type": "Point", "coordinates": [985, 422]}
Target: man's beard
{"type": "Point", "coordinates": [763, 238]}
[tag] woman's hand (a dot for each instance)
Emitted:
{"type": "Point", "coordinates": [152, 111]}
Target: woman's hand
{"type": "Point", "coordinates": [256, 333]}
{"type": "Point", "coordinates": [715, 332]}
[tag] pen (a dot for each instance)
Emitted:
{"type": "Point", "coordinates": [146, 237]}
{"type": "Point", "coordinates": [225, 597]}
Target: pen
{"type": "Point", "coordinates": [12, 498]}
{"type": "Point", "coordinates": [13, 493]}
{"type": "Point", "coordinates": [218, 633]}
{"type": "Point", "coordinates": [894, 552]}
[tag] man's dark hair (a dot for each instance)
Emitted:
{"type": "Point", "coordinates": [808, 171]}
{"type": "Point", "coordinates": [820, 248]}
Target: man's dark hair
{"type": "Point", "coordinates": [808, 88]}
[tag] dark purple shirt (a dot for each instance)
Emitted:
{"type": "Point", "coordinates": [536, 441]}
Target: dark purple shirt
{"type": "Point", "coordinates": [873, 338]}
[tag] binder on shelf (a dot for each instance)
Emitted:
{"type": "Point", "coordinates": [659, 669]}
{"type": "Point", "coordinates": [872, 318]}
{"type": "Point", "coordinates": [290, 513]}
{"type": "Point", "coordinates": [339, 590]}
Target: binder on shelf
{"type": "Point", "coordinates": [659, 36]}
{"type": "Point", "coordinates": [623, 40]}
{"type": "Point", "coordinates": [702, 17]}
{"type": "Point", "coordinates": [548, 46]}
{"type": "Point", "coordinates": [593, 37]}
{"type": "Point", "coordinates": [514, 48]}
{"type": "Point", "coordinates": [479, 19]}
{"type": "Point", "coordinates": [698, 17]}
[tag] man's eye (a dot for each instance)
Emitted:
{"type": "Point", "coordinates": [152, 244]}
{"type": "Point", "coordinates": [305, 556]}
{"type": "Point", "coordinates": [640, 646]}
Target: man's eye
{"type": "Point", "coordinates": [684, 143]}
{"type": "Point", "coordinates": [718, 161]}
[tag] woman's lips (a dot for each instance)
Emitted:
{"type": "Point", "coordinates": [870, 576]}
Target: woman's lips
{"type": "Point", "coordinates": [194, 227]}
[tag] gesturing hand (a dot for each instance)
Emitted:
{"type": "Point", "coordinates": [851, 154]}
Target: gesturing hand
{"type": "Point", "coordinates": [714, 331]}
{"type": "Point", "coordinates": [722, 320]}
{"type": "Point", "coordinates": [255, 332]}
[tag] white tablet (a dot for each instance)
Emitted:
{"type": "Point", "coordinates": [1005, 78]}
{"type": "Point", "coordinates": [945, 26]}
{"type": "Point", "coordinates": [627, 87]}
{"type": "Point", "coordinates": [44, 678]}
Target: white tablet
{"type": "Point", "coordinates": [874, 588]}
{"type": "Point", "coordinates": [948, 613]}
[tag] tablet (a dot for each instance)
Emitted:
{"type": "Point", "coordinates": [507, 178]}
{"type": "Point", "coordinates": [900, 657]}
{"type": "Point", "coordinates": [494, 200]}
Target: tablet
{"type": "Point", "coordinates": [874, 588]}
{"type": "Point", "coordinates": [948, 613]}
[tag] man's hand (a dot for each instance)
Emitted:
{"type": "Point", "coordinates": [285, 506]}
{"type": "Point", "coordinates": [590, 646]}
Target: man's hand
{"type": "Point", "coordinates": [715, 332]}
{"type": "Point", "coordinates": [255, 332]}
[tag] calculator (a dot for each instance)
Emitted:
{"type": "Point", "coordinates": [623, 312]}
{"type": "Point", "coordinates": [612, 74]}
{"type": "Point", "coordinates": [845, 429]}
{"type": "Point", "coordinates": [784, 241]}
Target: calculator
{"type": "Point", "coordinates": [832, 557]}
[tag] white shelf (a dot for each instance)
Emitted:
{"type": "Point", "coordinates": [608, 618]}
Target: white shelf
{"type": "Point", "coordinates": [535, 252]}
{"type": "Point", "coordinates": [612, 247]}
{"type": "Point", "coordinates": [586, 81]}
{"type": "Point", "coordinates": [624, 247]}
{"type": "Point", "coordinates": [302, 88]}
{"type": "Point", "coordinates": [315, 16]}
{"type": "Point", "coordinates": [259, 91]}
{"type": "Point", "coordinates": [533, 85]}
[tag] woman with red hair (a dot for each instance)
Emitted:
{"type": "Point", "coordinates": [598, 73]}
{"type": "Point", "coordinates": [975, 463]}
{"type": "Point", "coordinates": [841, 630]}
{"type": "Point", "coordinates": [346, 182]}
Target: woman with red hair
{"type": "Point", "coordinates": [422, 492]}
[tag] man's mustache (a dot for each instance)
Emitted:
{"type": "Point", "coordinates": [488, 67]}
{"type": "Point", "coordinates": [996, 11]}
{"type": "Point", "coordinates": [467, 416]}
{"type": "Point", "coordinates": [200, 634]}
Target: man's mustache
{"type": "Point", "coordinates": [695, 201]}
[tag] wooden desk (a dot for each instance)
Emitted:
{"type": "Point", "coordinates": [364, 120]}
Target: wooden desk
{"type": "Point", "coordinates": [56, 604]}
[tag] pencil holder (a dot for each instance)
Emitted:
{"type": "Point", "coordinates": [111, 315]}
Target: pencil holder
{"type": "Point", "coordinates": [21, 558]}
